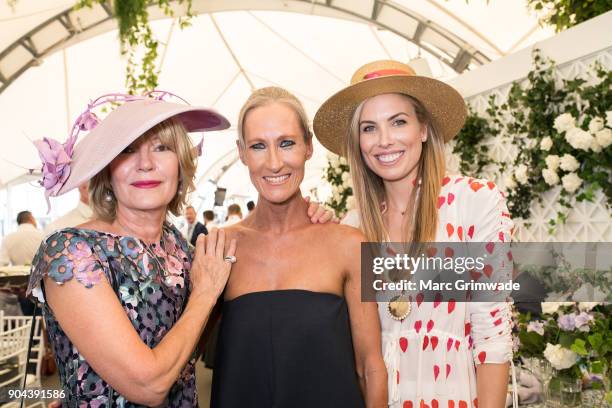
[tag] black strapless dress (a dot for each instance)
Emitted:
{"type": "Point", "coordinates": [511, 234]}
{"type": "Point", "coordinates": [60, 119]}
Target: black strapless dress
{"type": "Point", "coordinates": [285, 348]}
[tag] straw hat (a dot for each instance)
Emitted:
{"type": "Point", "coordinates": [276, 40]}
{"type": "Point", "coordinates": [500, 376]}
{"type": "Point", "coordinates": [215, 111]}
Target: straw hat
{"type": "Point", "coordinates": [332, 120]}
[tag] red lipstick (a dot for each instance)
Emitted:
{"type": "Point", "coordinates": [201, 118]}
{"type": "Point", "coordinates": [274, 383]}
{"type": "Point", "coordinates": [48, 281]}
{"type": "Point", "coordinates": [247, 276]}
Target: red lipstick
{"type": "Point", "coordinates": [146, 184]}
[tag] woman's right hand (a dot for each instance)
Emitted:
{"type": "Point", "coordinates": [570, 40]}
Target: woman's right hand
{"type": "Point", "coordinates": [209, 270]}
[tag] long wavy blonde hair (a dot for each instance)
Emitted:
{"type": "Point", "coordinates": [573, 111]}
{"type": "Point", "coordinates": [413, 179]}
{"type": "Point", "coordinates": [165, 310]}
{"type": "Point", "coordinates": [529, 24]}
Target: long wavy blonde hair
{"type": "Point", "coordinates": [369, 189]}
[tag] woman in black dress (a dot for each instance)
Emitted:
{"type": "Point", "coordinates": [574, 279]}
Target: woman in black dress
{"type": "Point", "coordinates": [294, 331]}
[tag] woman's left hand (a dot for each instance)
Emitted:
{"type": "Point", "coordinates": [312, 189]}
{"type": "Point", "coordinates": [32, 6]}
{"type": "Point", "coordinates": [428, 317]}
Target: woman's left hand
{"type": "Point", "coordinates": [319, 214]}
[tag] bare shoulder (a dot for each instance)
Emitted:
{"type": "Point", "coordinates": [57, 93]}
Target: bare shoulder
{"type": "Point", "coordinates": [342, 236]}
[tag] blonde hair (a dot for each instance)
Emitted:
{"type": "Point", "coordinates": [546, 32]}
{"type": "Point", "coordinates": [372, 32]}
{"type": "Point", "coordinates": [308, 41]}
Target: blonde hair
{"type": "Point", "coordinates": [172, 133]}
{"type": "Point", "coordinates": [369, 189]}
{"type": "Point", "coordinates": [266, 96]}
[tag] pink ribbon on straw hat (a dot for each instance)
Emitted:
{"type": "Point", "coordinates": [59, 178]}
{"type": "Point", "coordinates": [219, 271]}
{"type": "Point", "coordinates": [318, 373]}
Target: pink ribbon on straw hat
{"type": "Point", "coordinates": [57, 157]}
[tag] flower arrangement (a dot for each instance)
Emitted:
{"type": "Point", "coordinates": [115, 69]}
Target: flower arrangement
{"type": "Point", "coordinates": [338, 176]}
{"type": "Point", "coordinates": [575, 337]}
{"type": "Point", "coordinates": [563, 133]}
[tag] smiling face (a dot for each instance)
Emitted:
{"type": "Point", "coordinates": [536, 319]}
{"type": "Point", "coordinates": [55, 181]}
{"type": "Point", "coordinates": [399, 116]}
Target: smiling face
{"type": "Point", "coordinates": [391, 137]}
{"type": "Point", "coordinates": [144, 176]}
{"type": "Point", "coordinates": [275, 151]}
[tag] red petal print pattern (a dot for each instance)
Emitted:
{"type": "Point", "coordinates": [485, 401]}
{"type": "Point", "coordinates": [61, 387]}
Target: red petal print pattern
{"type": "Point", "coordinates": [448, 370]}
{"type": "Point", "coordinates": [445, 180]}
{"type": "Point", "coordinates": [450, 229]}
{"type": "Point", "coordinates": [489, 247]}
{"type": "Point", "coordinates": [488, 270]}
{"type": "Point", "coordinates": [441, 201]}
{"type": "Point", "coordinates": [430, 325]}
{"type": "Point", "coordinates": [403, 342]}
{"type": "Point", "coordinates": [451, 306]}
{"type": "Point", "coordinates": [449, 344]}
{"type": "Point", "coordinates": [471, 231]}
{"type": "Point", "coordinates": [417, 325]}
{"type": "Point", "coordinates": [434, 342]}
{"type": "Point", "coordinates": [425, 342]}
{"type": "Point", "coordinates": [437, 300]}
{"type": "Point", "coordinates": [482, 356]}
{"type": "Point", "coordinates": [450, 198]}
{"type": "Point", "coordinates": [460, 233]}
{"type": "Point", "coordinates": [419, 299]}
{"type": "Point", "coordinates": [436, 370]}
{"type": "Point", "coordinates": [468, 328]}
{"type": "Point", "coordinates": [475, 186]}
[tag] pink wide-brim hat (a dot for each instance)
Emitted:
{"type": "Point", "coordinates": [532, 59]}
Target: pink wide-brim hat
{"type": "Point", "coordinates": [123, 126]}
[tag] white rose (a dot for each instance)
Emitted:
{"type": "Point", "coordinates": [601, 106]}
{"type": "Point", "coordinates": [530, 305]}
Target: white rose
{"type": "Point", "coordinates": [350, 202]}
{"type": "Point", "coordinates": [564, 122]}
{"type": "Point", "coordinates": [333, 159]}
{"type": "Point", "coordinates": [336, 196]}
{"type": "Point", "coordinates": [609, 119]}
{"type": "Point", "coordinates": [595, 146]}
{"type": "Point", "coordinates": [550, 177]}
{"type": "Point", "coordinates": [571, 182]}
{"type": "Point", "coordinates": [595, 125]}
{"type": "Point", "coordinates": [343, 161]}
{"type": "Point", "coordinates": [552, 162]}
{"type": "Point", "coordinates": [521, 174]}
{"type": "Point", "coordinates": [569, 163]}
{"type": "Point", "coordinates": [345, 176]}
{"type": "Point", "coordinates": [560, 357]}
{"type": "Point", "coordinates": [604, 137]}
{"type": "Point", "coordinates": [546, 143]}
{"type": "Point", "coordinates": [510, 183]}
{"type": "Point", "coordinates": [579, 139]}
{"type": "Point", "coordinates": [338, 170]}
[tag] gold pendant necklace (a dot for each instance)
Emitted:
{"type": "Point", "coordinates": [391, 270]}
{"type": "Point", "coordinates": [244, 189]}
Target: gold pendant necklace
{"type": "Point", "coordinates": [399, 307]}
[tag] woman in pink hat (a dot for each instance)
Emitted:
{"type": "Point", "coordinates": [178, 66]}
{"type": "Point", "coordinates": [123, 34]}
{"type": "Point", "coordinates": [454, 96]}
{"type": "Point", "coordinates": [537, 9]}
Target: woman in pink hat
{"type": "Point", "coordinates": [124, 299]}
{"type": "Point", "coordinates": [392, 126]}
{"type": "Point", "coordinates": [294, 332]}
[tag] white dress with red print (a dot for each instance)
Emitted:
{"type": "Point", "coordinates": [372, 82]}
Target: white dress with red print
{"type": "Point", "coordinates": [432, 354]}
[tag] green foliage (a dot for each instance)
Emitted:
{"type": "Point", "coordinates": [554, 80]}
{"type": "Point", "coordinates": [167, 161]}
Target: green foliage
{"type": "Point", "coordinates": [526, 118]}
{"type": "Point", "coordinates": [135, 32]}
{"type": "Point", "coordinates": [469, 146]}
{"type": "Point", "coordinates": [563, 14]}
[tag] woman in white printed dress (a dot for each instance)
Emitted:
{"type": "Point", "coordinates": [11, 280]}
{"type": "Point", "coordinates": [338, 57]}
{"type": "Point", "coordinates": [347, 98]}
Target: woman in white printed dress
{"type": "Point", "coordinates": [392, 126]}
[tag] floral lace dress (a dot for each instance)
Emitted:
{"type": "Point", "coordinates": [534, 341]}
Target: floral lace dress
{"type": "Point", "coordinates": [152, 284]}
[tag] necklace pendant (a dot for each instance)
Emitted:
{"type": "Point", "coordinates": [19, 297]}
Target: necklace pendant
{"type": "Point", "coordinates": [399, 307]}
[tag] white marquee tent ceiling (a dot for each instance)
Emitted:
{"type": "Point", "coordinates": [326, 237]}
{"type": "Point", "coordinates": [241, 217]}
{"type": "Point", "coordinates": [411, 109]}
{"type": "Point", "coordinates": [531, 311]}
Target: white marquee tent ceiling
{"type": "Point", "coordinates": [308, 47]}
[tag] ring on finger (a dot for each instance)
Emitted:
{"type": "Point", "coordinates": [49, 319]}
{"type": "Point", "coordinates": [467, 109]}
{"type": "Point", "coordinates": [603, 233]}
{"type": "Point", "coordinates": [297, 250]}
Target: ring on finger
{"type": "Point", "coordinates": [231, 259]}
